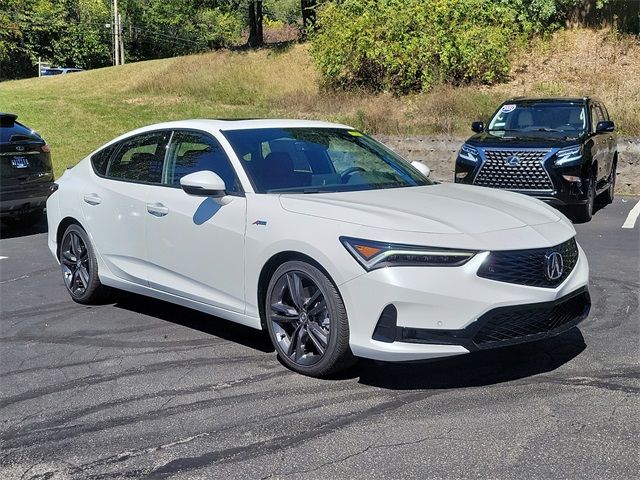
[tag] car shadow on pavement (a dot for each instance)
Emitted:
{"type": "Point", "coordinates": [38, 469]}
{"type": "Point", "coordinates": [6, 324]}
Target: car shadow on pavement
{"type": "Point", "coordinates": [475, 369]}
{"type": "Point", "coordinates": [17, 229]}
{"type": "Point", "coordinates": [193, 319]}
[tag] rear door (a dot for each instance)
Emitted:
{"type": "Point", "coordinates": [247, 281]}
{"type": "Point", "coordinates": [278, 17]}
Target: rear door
{"type": "Point", "coordinates": [599, 150]}
{"type": "Point", "coordinates": [115, 204]}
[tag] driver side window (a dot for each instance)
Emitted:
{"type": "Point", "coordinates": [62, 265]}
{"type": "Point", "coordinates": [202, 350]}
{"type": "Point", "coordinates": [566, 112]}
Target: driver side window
{"type": "Point", "coordinates": [191, 152]}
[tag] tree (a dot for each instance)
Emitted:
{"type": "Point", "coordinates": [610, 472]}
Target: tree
{"type": "Point", "coordinates": [308, 8]}
{"type": "Point", "coordinates": [256, 38]}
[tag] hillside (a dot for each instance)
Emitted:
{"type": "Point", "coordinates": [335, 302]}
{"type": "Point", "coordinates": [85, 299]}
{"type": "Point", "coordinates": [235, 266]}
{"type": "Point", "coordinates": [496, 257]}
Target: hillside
{"type": "Point", "coordinates": [76, 113]}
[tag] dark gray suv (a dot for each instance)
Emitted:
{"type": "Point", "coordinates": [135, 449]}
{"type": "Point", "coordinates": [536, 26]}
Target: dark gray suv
{"type": "Point", "coordinates": [26, 174]}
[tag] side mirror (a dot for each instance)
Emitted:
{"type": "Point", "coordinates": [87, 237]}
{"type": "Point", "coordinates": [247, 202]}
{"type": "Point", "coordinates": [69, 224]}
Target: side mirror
{"type": "Point", "coordinates": [203, 184]}
{"type": "Point", "coordinates": [422, 168]}
{"type": "Point", "coordinates": [477, 126]}
{"type": "Point", "coordinates": [605, 126]}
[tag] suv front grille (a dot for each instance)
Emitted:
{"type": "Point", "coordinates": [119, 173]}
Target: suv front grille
{"type": "Point", "coordinates": [511, 323]}
{"type": "Point", "coordinates": [528, 267]}
{"type": "Point", "coordinates": [527, 174]}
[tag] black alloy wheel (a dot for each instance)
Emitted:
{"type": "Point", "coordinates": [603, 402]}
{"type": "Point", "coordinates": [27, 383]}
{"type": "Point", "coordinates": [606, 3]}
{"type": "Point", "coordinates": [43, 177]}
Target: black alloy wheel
{"type": "Point", "coordinates": [307, 320]}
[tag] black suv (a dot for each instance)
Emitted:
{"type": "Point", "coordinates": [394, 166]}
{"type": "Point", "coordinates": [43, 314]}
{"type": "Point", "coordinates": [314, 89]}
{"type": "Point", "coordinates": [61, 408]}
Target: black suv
{"type": "Point", "coordinates": [560, 150]}
{"type": "Point", "coordinates": [26, 174]}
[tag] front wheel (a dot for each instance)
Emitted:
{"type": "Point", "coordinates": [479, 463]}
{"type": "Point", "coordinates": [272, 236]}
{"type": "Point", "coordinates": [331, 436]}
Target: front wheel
{"type": "Point", "coordinates": [80, 266]}
{"type": "Point", "coordinates": [607, 196]}
{"type": "Point", "coordinates": [584, 213]}
{"type": "Point", "coordinates": [307, 320]}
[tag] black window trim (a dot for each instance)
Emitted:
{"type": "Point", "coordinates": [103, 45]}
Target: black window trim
{"type": "Point", "coordinates": [118, 146]}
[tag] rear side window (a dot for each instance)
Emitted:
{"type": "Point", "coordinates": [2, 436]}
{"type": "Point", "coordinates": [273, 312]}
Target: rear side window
{"type": "Point", "coordinates": [100, 160]}
{"type": "Point", "coordinates": [139, 159]}
{"type": "Point", "coordinates": [191, 152]}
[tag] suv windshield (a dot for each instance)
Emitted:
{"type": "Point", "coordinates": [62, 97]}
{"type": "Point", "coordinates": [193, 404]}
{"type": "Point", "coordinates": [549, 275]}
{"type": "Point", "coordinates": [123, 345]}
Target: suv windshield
{"type": "Point", "coordinates": [540, 117]}
{"type": "Point", "coordinates": [314, 160]}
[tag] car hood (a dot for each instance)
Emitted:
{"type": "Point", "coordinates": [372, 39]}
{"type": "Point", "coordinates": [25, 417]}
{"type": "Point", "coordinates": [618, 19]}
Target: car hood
{"type": "Point", "coordinates": [435, 209]}
{"type": "Point", "coordinates": [520, 140]}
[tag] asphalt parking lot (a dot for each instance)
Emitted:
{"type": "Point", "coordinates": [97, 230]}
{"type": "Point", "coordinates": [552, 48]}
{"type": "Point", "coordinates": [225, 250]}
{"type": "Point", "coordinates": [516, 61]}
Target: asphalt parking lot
{"type": "Point", "coordinates": [138, 388]}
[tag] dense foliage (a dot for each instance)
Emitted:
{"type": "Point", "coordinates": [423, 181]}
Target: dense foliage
{"type": "Point", "coordinates": [78, 33]}
{"type": "Point", "coordinates": [405, 45]}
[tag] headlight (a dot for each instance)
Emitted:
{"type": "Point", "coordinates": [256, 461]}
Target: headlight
{"type": "Point", "coordinates": [569, 155]}
{"type": "Point", "coordinates": [372, 255]}
{"type": "Point", "coordinates": [470, 153]}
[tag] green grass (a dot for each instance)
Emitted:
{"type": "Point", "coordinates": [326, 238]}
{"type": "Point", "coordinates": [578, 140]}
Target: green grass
{"type": "Point", "coordinates": [77, 113]}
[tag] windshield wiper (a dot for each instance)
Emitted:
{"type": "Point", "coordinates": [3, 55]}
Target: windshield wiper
{"type": "Point", "coordinates": [299, 190]}
{"type": "Point", "coordinates": [504, 130]}
{"type": "Point", "coordinates": [545, 129]}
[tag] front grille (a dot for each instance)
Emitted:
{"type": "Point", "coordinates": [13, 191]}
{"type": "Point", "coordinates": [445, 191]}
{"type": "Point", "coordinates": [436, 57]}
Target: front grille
{"type": "Point", "coordinates": [528, 267]}
{"type": "Point", "coordinates": [517, 323]}
{"type": "Point", "coordinates": [527, 174]}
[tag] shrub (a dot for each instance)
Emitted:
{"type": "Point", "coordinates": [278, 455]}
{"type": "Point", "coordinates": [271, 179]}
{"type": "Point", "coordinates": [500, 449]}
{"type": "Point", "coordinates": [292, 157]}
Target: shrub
{"type": "Point", "coordinates": [412, 45]}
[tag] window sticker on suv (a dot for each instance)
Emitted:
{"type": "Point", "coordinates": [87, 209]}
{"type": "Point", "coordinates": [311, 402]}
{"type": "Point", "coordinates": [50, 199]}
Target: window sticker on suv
{"type": "Point", "coordinates": [510, 107]}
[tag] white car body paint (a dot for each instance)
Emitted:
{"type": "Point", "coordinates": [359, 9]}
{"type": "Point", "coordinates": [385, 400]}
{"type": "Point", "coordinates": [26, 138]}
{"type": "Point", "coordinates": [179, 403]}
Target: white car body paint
{"type": "Point", "coordinates": [215, 266]}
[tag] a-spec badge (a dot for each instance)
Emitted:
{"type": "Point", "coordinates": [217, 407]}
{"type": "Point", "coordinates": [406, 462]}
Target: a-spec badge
{"type": "Point", "coordinates": [260, 222]}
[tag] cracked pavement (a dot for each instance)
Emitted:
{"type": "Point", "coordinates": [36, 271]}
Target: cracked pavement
{"type": "Point", "coordinates": [138, 388]}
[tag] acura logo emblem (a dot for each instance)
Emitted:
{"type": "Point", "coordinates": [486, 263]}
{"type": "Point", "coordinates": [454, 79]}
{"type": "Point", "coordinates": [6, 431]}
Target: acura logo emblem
{"type": "Point", "coordinates": [554, 265]}
{"type": "Point", "coordinates": [512, 161]}
{"type": "Point", "coordinates": [19, 148]}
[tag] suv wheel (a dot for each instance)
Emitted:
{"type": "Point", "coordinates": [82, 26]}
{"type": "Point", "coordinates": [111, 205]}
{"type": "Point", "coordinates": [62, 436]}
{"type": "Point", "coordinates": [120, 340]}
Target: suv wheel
{"type": "Point", "coordinates": [80, 266]}
{"type": "Point", "coordinates": [584, 213]}
{"type": "Point", "coordinates": [607, 196]}
{"type": "Point", "coordinates": [307, 320]}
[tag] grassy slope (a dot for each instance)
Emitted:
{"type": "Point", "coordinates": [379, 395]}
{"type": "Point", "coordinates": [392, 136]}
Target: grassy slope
{"type": "Point", "coordinates": [77, 113]}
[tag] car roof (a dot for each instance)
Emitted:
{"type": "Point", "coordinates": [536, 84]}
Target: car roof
{"type": "Point", "coordinates": [237, 124]}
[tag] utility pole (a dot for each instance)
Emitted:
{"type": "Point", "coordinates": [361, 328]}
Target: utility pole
{"type": "Point", "coordinates": [121, 37]}
{"type": "Point", "coordinates": [116, 34]}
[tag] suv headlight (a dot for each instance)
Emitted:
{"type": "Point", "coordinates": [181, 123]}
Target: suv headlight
{"type": "Point", "coordinates": [372, 255]}
{"type": "Point", "coordinates": [568, 156]}
{"type": "Point", "coordinates": [470, 153]}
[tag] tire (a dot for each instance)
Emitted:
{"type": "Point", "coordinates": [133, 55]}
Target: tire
{"type": "Point", "coordinates": [607, 197]}
{"type": "Point", "coordinates": [307, 320]}
{"type": "Point", "coordinates": [80, 267]}
{"type": "Point", "coordinates": [584, 213]}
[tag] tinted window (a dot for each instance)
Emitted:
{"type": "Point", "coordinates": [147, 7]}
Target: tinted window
{"type": "Point", "coordinates": [140, 158]}
{"type": "Point", "coordinates": [319, 160]}
{"type": "Point", "coordinates": [100, 160]}
{"type": "Point", "coordinates": [596, 116]}
{"type": "Point", "coordinates": [191, 152]}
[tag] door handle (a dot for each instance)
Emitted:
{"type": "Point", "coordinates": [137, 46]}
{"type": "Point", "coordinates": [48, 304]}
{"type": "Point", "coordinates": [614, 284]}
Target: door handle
{"type": "Point", "coordinates": [157, 209]}
{"type": "Point", "coordinates": [92, 199]}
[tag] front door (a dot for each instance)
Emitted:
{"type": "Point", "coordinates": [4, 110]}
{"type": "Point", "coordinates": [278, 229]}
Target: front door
{"type": "Point", "coordinates": [195, 244]}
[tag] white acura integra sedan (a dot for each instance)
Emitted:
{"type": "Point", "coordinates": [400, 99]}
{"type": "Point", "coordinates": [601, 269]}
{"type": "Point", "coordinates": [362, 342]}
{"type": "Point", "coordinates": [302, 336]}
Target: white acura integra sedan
{"type": "Point", "coordinates": [319, 234]}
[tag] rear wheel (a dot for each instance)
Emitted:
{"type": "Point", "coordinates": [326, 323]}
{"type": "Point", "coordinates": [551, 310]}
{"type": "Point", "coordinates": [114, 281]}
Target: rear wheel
{"type": "Point", "coordinates": [80, 266]}
{"type": "Point", "coordinates": [307, 320]}
{"type": "Point", "coordinates": [607, 196]}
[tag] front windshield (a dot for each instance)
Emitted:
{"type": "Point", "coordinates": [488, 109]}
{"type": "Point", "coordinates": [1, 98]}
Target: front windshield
{"type": "Point", "coordinates": [540, 117]}
{"type": "Point", "coordinates": [314, 160]}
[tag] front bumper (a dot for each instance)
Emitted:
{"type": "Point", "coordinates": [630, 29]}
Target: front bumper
{"type": "Point", "coordinates": [451, 303]}
{"type": "Point", "coordinates": [563, 193]}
